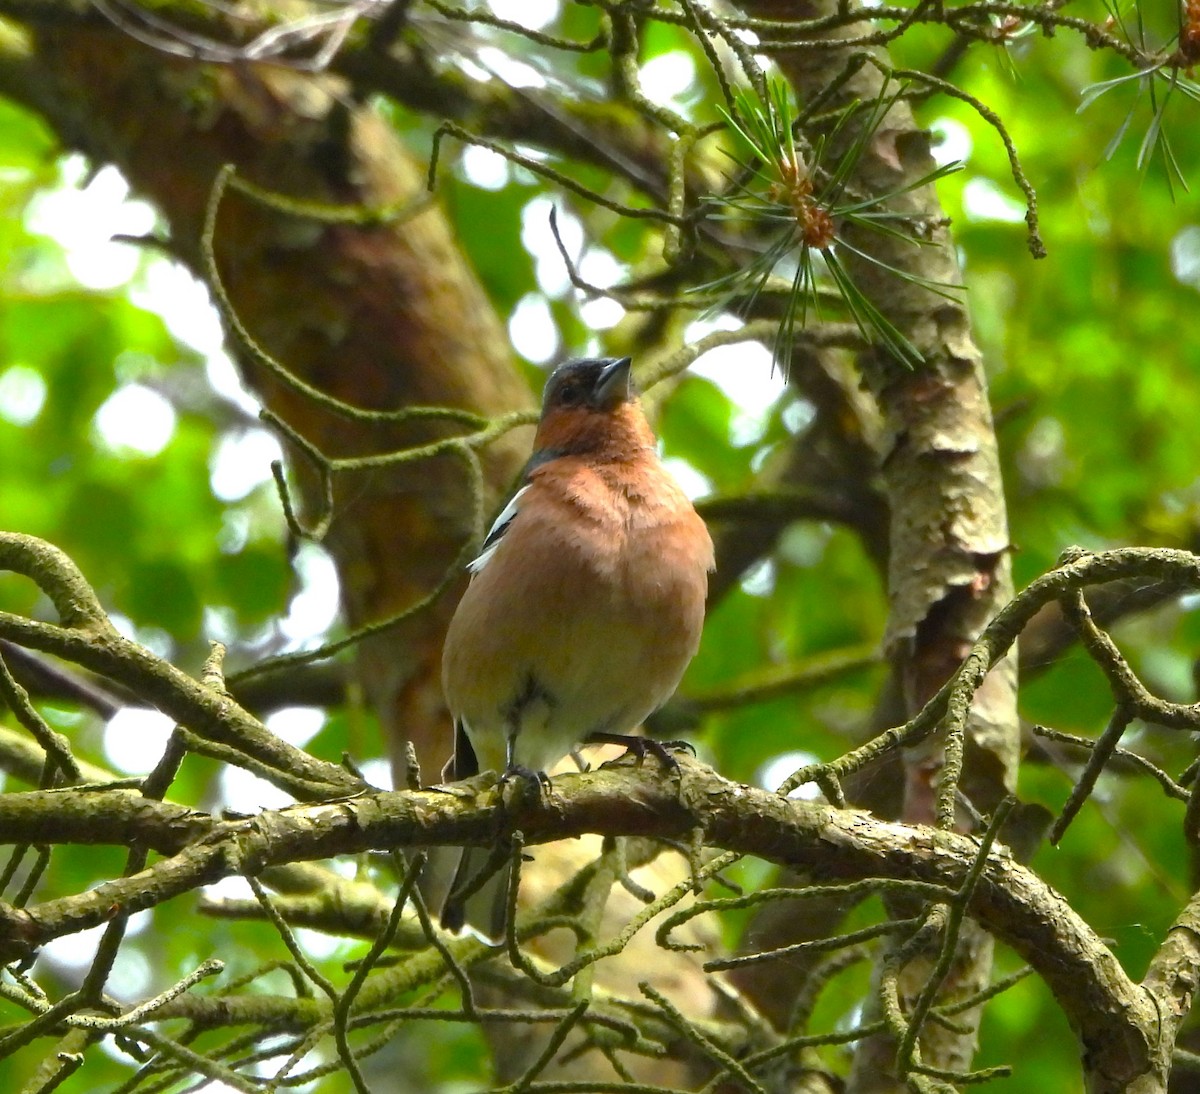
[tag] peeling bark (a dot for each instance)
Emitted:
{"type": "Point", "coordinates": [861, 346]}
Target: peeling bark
{"type": "Point", "coordinates": [948, 568]}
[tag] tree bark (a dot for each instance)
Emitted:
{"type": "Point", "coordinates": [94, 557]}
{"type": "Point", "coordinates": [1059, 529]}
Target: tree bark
{"type": "Point", "coordinates": [948, 568]}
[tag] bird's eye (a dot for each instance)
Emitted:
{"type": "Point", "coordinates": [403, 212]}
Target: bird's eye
{"type": "Point", "coordinates": [570, 393]}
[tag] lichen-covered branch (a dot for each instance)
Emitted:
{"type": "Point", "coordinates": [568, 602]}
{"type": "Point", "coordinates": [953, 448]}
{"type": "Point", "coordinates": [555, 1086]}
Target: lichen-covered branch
{"type": "Point", "coordinates": [830, 844]}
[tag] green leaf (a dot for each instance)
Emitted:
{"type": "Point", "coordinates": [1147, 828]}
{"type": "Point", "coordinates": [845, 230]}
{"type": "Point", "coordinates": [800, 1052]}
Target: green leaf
{"type": "Point", "coordinates": [161, 592]}
{"type": "Point", "coordinates": [255, 581]}
{"type": "Point", "coordinates": [695, 425]}
{"type": "Point", "coordinates": [498, 255]}
{"type": "Point", "coordinates": [26, 144]}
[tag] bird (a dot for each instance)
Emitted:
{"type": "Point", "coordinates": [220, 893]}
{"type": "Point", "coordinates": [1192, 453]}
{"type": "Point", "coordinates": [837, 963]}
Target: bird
{"type": "Point", "coordinates": [586, 600]}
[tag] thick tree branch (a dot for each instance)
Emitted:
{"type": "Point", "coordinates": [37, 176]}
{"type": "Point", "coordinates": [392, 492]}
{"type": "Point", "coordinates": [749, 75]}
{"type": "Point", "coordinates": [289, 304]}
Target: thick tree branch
{"type": "Point", "coordinates": [1172, 981]}
{"type": "Point", "coordinates": [120, 816]}
{"type": "Point", "coordinates": [829, 844]}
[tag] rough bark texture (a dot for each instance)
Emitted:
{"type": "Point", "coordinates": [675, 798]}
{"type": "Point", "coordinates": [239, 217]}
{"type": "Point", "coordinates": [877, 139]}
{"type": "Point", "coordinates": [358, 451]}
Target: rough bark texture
{"type": "Point", "coordinates": [948, 569]}
{"type": "Point", "coordinates": [1117, 1021]}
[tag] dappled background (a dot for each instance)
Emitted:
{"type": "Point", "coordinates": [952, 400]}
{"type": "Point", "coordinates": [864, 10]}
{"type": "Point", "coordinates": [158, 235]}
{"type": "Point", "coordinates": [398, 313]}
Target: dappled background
{"type": "Point", "coordinates": [128, 439]}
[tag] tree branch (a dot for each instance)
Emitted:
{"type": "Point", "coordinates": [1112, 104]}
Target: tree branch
{"type": "Point", "coordinates": [830, 844]}
{"type": "Point", "coordinates": [89, 639]}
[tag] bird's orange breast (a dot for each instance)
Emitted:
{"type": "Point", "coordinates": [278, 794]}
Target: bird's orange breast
{"type": "Point", "coordinates": [597, 592]}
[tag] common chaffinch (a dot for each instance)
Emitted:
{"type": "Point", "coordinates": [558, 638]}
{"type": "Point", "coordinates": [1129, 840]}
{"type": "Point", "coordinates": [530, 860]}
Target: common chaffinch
{"type": "Point", "coordinates": [586, 601]}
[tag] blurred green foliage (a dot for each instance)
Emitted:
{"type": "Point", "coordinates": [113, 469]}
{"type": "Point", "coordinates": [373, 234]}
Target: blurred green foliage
{"type": "Point", "coordinates": [1095, 371]}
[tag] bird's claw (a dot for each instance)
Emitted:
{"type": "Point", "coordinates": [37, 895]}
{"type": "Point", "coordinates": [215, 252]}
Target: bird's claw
{"type": "Point", "coordinates": [521, 778]}
{"type": "Point", "coordinates": [639, 746]}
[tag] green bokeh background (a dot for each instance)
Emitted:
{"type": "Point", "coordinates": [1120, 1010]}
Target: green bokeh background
{"type": "Point", "coordinates": [1094, 364]}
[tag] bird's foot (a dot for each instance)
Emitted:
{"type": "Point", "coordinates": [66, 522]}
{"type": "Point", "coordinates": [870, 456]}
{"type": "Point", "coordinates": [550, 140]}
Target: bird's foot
{"type": "Point", "coordinates": [639, 746]}
{"type": "Point", "coordinates": [522, 780]}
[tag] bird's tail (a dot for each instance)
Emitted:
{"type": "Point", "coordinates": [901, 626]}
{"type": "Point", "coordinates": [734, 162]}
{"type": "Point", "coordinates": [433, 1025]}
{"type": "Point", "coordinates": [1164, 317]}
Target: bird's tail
{"type": "Point", "coordinates": [481, 901]}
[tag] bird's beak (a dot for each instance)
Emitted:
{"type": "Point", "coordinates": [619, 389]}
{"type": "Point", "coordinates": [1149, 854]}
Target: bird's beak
{"type": "Point", "coordinates": [614, 385]}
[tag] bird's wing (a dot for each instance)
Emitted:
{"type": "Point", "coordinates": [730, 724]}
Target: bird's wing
{"type": "Point", "coordinates": [496, 534]}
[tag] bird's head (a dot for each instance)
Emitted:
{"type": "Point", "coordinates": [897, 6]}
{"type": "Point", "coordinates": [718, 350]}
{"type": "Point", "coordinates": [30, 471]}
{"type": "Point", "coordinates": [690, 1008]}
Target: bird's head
{"type": "Point", "coordinates": [599, 384]}
{"type": "Point", "coordinates": [590, 406]}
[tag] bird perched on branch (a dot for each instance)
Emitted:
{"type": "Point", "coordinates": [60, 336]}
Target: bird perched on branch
{"type": "Point", "coordinates": [586, 601]}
